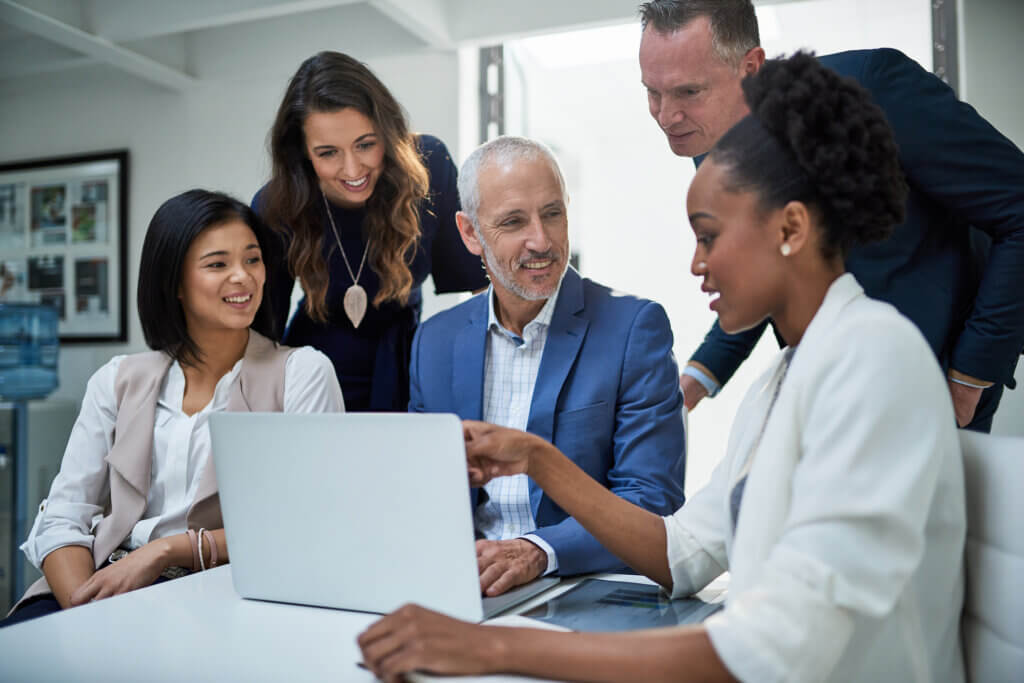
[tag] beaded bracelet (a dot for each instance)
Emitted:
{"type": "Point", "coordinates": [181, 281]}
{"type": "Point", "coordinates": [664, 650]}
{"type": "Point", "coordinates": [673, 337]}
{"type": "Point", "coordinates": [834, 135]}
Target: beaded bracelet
{"type": "Point", "coordinates": [213, 549]}
{"type": "Point", "coordinates": [195, 549]}
{"type": "Point", "coordinates": [202, 564]}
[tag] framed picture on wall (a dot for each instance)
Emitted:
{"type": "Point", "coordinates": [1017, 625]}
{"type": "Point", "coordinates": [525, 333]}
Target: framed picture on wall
{"type": "Point", "coordinates": [64, 241]}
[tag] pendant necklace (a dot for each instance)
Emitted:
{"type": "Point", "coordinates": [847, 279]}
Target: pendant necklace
{"type": "Point", "coordinates": [355, 296]}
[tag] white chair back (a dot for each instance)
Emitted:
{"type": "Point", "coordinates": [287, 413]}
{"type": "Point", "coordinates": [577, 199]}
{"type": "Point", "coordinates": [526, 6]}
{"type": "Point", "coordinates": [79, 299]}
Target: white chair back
{"type": "Point", "coordinates": [993, 620]}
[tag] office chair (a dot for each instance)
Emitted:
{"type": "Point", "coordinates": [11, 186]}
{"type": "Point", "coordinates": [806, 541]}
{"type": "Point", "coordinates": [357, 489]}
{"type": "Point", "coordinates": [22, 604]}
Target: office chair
{"type": "Point", "coordinates": [993, 617]}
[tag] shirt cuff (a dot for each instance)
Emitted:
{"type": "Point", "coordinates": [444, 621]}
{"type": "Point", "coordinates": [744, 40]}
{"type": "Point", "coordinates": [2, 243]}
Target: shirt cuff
{"type": "Point", "coordinates": [709, 384]}
{"type": "Point", "coordinates": [967, 380]}
{"type": "Point", "coordinates": [48, 535]}
{"type": "Point", "coordinates": [548, 550]}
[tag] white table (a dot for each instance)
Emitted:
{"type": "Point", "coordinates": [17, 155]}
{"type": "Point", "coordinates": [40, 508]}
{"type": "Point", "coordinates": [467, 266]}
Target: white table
{"type": "Point", "coordinates": [198, 629]}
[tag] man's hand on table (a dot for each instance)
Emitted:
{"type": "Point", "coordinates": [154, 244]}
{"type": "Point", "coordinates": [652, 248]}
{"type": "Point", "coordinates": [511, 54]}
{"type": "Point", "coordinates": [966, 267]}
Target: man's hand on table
{"type": "Point", "coordinates": [507, 564]}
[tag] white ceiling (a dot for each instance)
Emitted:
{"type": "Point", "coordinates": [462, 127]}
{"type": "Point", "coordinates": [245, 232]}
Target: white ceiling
{"type": "Point", "coordinates": [167, 42]}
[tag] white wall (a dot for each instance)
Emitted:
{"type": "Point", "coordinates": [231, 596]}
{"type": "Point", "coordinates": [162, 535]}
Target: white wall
{"type": "Point", "coordinates": [990, 80]}
{"type": "Point", "coordinates": [212, 136]}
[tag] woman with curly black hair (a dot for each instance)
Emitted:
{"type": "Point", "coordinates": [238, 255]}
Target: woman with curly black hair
{"type": "Point", "coordinates": [839, 507]}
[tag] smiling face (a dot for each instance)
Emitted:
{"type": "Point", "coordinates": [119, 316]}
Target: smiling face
{"type": "Point", "coordinates": [737, 251]}
{"type": "Point", "coordinates": [523, 226]}
{"type": "Point", "coordinates": [222, 279]}
{"type": "Point", "coordinates": [347, 155]}
{"type": "Point", "coordinates": [693, 95]}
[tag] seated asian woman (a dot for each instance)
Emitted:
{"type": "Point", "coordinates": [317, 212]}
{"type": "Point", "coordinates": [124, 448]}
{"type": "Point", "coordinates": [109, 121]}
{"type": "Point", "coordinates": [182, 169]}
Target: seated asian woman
{"type": "Point", "coordinates": [135, 501]}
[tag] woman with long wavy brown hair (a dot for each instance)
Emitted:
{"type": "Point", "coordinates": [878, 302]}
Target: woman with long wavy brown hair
{"type": "Point", "coordinates": [366, 210]}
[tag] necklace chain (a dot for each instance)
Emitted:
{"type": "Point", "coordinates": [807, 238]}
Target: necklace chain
{"type": "Point", "coordinates": [787, 359]}
{"type": "Point", "coordinates": [337, 238]}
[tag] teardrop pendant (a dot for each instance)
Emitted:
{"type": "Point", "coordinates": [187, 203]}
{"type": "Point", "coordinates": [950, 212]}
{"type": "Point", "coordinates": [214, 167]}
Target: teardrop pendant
{"type": "Point", "coordinates": [355, 304]}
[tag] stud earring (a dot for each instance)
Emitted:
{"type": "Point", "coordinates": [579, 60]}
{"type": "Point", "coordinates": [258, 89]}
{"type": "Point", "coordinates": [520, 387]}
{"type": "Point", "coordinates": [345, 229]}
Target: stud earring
{"type": "Point", "coordinates": [785, 249]}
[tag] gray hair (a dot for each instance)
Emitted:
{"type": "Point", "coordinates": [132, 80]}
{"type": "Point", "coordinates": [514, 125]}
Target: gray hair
{"type": "Point", "coordinates": [500, 151]}
{"type": "Point", "coordinates": [734, 30]}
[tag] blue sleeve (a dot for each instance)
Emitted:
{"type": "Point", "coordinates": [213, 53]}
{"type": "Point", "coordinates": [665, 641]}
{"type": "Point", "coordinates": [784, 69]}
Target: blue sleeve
{"type": "Point", "coordinates": [453, 267]}
{"type": "Point", "coordinates": [969, 169]}
{"type": "Point", "coordinates": [723, 353]}
{"type": "Point", "coordinates": [649, 444]}
{"type": "Point", "coordinates": [280, 281]}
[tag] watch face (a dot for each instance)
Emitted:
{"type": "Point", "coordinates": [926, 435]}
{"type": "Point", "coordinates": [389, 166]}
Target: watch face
{"type": "Point", "coordinates": [118, 554]}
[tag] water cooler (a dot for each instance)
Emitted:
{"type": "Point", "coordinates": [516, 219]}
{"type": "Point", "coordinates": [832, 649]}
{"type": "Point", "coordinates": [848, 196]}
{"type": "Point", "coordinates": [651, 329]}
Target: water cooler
{"type": "Point", "coordinates": [28, 370]}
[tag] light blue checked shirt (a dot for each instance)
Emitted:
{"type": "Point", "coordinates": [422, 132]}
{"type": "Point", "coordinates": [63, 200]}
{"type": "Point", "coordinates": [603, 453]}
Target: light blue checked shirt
{"type": "Point", "coordinates": [510, 373]}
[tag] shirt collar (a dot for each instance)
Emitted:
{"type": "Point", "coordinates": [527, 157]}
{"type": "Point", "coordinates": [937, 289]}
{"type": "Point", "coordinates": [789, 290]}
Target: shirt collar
{"type": "Point", "coordinates": [173, 390]}
{"type": "Point", "coordinates": [841, 292]}
{"type": "Point", "coordinates": [543, 317]}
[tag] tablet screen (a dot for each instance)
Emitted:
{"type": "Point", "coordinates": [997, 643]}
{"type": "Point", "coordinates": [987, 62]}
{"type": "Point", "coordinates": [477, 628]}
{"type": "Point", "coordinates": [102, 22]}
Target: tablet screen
{"type": "Point", "coordinates": [601, 605]}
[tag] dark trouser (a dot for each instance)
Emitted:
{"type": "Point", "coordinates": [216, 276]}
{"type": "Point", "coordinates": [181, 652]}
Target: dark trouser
{"type": "Point", "coordinates": [986, 410]}
{"type": "Point", "coordinates": [41, 605]}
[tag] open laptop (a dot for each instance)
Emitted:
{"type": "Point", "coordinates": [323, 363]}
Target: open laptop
{"type": "Point", "coordinates": [359, 511]}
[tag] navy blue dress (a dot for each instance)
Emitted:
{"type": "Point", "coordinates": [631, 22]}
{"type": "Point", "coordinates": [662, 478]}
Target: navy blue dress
{"type": "Point", "coordinates": [372, 362]}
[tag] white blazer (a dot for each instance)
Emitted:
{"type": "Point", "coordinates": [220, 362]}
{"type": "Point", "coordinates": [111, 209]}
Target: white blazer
{"type": "Point", "coordinates": [847, 559]}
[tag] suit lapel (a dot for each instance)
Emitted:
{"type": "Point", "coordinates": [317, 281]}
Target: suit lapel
{"type": "Point", "coordinates": [468, 369]}
{"type": "Point", "coordinates": [468, 363]}
{"type": "Point", "coordinates": [565, 337]}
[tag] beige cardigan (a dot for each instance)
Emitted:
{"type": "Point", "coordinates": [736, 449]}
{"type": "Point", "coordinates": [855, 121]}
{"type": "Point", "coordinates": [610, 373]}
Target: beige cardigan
{"type": "Point", "coordinates": [260, 388]}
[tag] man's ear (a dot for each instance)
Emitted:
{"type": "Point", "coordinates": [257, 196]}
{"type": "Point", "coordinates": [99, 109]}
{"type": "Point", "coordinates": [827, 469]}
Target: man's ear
{"type": "Point", "coordinates": [468, 234]}
{"type": "Point", "coordinates": [752, 61]}
{"type": "Point", "coordinates": [796, 226]}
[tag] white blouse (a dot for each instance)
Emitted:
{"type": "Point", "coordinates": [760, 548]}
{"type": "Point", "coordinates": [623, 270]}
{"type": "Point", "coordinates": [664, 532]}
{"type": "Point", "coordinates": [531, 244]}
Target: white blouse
{"type": "Point", "coordinates": [181, 447]}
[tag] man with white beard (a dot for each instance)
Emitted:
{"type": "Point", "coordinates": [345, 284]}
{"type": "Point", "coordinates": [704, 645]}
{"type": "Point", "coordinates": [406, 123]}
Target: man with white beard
{"type": "Point", "coordinates": [555, 354]}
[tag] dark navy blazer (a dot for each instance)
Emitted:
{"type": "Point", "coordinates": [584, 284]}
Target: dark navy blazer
{"type": "Point", "coordinates": [607, 395]}
{"type": "Point", "coordinates": [956, 265]}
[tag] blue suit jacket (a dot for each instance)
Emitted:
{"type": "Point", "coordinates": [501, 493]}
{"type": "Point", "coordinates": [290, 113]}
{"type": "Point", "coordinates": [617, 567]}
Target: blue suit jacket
{"type": "Point", "coordinates": [607, 395]}
{"type": "Point", "coordinates": [956, 265]}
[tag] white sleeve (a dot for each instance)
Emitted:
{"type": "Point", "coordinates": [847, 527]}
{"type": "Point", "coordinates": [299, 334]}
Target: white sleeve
{"type": "Point", "coordinates": [695, 537]}
{"type": "Point", "coordinates": [77, 493]}
{"type": "Point", "coordinates": [310, 385]}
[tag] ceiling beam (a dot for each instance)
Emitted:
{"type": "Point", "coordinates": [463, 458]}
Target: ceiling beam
{"type": "Point", "coordinates": [139, 19]}
{"type": "Point", "coordinates": [100, 49]}
{"type": "Point", "coordinates": [425, 19]}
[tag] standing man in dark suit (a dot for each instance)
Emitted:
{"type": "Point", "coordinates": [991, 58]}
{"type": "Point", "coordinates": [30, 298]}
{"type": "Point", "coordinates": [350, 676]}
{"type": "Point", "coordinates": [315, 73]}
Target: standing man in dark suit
{"type": "Point", "coordinates": [955, 267]}
{"type": "Point", "coordinates": [549, 352]}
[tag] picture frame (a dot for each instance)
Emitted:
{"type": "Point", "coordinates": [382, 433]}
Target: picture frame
{"type": "Point", "coordinates": [64, 241]}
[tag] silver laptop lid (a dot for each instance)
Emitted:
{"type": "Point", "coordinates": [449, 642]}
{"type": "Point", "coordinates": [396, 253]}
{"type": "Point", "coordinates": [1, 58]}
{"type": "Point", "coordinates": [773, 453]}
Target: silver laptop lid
{"type": "Point", "coordinates": [358, 511]}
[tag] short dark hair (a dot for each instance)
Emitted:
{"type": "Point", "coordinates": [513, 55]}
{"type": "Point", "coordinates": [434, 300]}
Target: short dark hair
{"type": "Point", "coordinates": [174, 227]}
{"type": "Point", "coordinates": [734, 30]}
{"type": "Point", "coordinates": [818, 138]}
